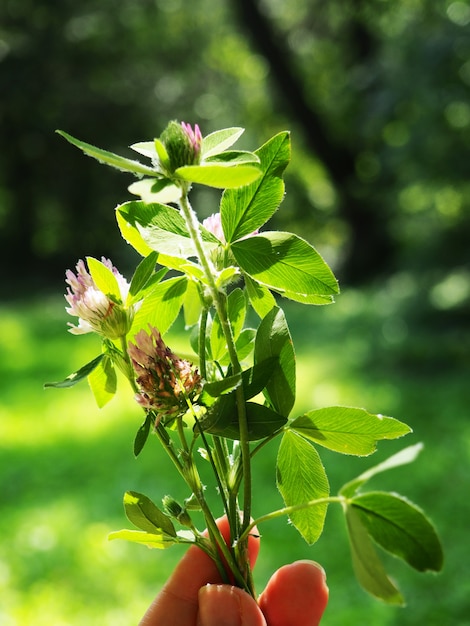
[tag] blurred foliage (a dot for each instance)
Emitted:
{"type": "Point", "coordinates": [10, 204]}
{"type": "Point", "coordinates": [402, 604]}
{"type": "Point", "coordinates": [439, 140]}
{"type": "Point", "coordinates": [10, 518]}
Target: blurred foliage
{"type": "Point", "coordinates": [375, 93]}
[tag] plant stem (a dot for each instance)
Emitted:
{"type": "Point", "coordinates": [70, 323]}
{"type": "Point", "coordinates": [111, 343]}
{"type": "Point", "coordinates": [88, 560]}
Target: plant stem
{"type": "Point", "coordinates": [219, 541]}
{"type": "Point", "coordinates": [202, 342]}
{"type": "Point", "coordinates": [220, 304]}
{"type": "Point", "coordinates": [221, 484]}
{"type": "Point", "coordinates": [163, 436]}
{"type": "Point", "coordinates": [130, 370]}
{"type": "Point", "coordinates": [288, 510]}
{"type": "Point", "coordinates": [266, 440]}
{"type": "Point", "coordinates": [190, 474]}
{"type": "Point", "coordinates": [181, 434]}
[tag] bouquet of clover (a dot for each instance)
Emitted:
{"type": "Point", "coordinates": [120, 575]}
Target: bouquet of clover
{"type": "Point", "coordinates": [239, 393]}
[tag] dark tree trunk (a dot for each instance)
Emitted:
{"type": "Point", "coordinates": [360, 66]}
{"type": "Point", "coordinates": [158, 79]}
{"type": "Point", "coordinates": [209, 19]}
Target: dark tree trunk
{"type": "Point", "coordinates": [370, 251]}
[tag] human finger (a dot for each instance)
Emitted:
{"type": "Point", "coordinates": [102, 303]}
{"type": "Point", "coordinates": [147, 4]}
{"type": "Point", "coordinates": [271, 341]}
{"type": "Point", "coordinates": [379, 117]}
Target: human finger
{"type": "Point", "coordinates": [177, 602]}
{"type": "Point", "coordinates": [224, 605]}
{"type": "Point", "coordinates": [296, 595]}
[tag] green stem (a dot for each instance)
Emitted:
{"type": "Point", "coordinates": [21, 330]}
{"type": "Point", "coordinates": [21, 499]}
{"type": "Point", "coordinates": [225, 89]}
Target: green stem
{"type": "Point", "coordinates": [130, 370]}
{"type": "Point", "coordinates": [202, 342]}
{"type": "Point", "coordinates": [220, 542]}
{"type": "Point", "coordinates": [237, 474]}
{"type": "Point", "coordinates": [193, 227]}
{"type": "Point", "coordinates": [189, 473]}
{"type": "Point", "coordinates": [181, 434]}
{"type": "Point", "coordinates": [219, 300]}
{"type": "Point", "coordinates": [163, 437]}
{"type": "Point", "coordinates": [212, 553]}
{"type": "Point", "coordinates": [241, 570]}
{"type": "Point", "coordinates": [222, 455]}
{"type": "Point", "coordinates": [287, 510]}
{"type": "Point", "coordinates": [266, 440]}
{"type": "Point", "coordinates": [221, 485]}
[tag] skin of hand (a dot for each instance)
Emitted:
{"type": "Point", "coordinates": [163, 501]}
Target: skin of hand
{"type": "Point", "coordinates": [296, 595]}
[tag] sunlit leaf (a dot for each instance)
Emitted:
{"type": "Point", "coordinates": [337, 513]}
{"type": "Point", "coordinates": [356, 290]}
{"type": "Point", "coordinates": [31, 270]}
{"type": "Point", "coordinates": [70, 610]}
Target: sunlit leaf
{"type": "Point", "coordinates": [103, 381]}
{"type": "Point", "coordinates": [193, 270]}
{"type": "Point", "coordinates": [218, 344]}
{"type": "Point", "coordinates": [104, 278]}
{"type": "Point", "coordinates": [131, 234]}
{"type": "Point", "coordinates": [192, 305]}
{"type": "Point", "coordinates": [301, 478]}
{"type": "Point", "coordinates": [109, 158]}
{"type": "Point", "coordinates": [233, 157]}
{"type": "Point", "coordinates": [163, 228]}
{"type": "Point", "coordinates": [161, 306]}
{"type": "Point", "coordinates": [146, 148]}
{"type": "Point", "coordinates": [159, 540]}
{"type": "Point", "coordinates": [245, 343]}
{"type": "Point", "coordinates": [162, 153]}
{"type": "Point", "coordinates": [245, 210]}
{"type": "Point", "coordinates": [401, 528]}
{"type": "Point", "coordinates": [405, 456]}
{"type": "Point", "coordinates": [151, 190]}
{"type": "Point", "coordinates": [166, 242]}
{"type": "Point", "coordinates": [307, 299]}
{"type": "Point", "coordinates": [142, 275]}
{"type": "Point", "coordinates": [261, 298]}
{"type": "Point", "coordinates": [348, 430]}
{"type": "Point", "coordinates": [222, 175]}
{"type": "Point", "coordinates": [77, 376]}
{"type": "Point", "coordinates": [236, 311]}
{"type": "Point", "coordinates": [142, 512]}
{"type": "Point", "coordinates": [226, 275]}
{"type": "Point", "coordinates": [220, 140]}
{"type": "Point", "coordinates": [128, 226]}
{"type": "Point", "coordinates": [287, 264]}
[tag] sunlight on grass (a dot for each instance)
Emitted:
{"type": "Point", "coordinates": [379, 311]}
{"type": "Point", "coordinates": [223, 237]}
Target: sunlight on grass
{"type": "Point", "coordinates": [68, 415]}
{"type": "Point", "coordinates": [66, 572]}
{"type": "Point", "coordinates": [13, 339]}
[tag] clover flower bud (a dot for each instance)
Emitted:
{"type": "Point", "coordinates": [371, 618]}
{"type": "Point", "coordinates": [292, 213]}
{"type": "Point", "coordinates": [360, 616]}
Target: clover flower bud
{"type": "Point", "coordinates": [183, 144]}
{"type": "Point", "coordinates": [96, 311]}
{"type": "Point", "coordinates": [176, 511]}
{"type": "Point", "coordinates": [166, 383]}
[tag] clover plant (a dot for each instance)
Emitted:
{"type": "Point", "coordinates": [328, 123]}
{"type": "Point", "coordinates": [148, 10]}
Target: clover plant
{"type": "Point", "coordinates": [238, 390]}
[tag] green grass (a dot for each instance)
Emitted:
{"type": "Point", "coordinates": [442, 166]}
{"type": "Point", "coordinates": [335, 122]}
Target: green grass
{"type": "Point", "coordinates": [64, 466]}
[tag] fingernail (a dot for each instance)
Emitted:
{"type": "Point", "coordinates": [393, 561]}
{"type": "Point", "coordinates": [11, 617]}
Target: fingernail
{"type": "Point", "coordinates": [223, 605]}
{"type": "Point", "coordinates": [219, 604]}
{"type": "Point", "coordinates": [317, 565]}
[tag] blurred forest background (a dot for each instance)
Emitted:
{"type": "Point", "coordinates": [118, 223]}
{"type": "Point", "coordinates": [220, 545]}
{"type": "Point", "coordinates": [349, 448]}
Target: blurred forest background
{"type": "Point", "coordinates": [376, 94]}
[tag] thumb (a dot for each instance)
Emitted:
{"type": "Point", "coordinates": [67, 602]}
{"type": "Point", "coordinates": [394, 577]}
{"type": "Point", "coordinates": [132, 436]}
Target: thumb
{"type": "Point", "coordinates": [227, 605]}
{"type": "Point", "coordinates": [296, 595]}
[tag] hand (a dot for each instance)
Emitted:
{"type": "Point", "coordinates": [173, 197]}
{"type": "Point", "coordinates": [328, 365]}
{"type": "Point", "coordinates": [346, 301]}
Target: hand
{"type": "Point", "coordinates": [296, 595]}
